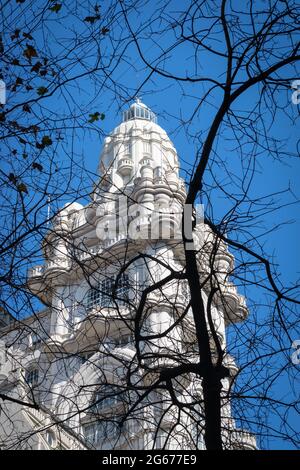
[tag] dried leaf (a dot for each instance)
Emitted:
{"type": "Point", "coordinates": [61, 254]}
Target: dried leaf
{"type": "Point", "coordinates": [36, 67]}
{"type": "Point", "coordinates": [42, 90]}
{"type": "Point", "coordinates": [16, 34]}
{"type": "Point", "coordinates": [46, 141]}
{"type": "Point", "coordinates": [92, 19]}
{"type": "Point", "coordinates": [37, 166]}
{"type": "Point", "coordinates": [29, 52]}
{"type": "Point", "coordinates": [26, 108]}
{"type": "Point", "coordinates": [22, 188]}
{"type": "Point", "coordinates": [12, 178]}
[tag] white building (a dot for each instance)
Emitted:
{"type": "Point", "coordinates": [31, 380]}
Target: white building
{"type": "Point", "coordinates": [94, 359]}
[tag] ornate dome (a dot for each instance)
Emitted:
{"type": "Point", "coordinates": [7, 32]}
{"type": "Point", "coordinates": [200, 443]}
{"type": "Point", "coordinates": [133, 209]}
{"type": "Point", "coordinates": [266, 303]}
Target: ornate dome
{"type": "Point", "coordinates": [136, 138]}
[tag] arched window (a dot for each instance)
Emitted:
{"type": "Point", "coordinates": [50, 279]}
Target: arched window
{"type": "Point", "coordinates": [99, 431]}
{"type": "Point", "coordinates": [105, 415]}
{"type": "Point", "coordinates": [32, 380]}
{"type": "Point", "coordinates": [107, 398]}
{"type": "Point", "coordinates": [51, 438]}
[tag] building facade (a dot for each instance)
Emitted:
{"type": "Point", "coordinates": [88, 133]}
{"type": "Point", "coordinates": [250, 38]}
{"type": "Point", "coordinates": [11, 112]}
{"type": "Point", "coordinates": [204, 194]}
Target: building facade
{"type": "Point", "coordinates": [93, 365]}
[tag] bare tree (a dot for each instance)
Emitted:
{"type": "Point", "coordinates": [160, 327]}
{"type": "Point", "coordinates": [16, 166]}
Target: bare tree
{"type": "Point", "coordinates": [148, 368]}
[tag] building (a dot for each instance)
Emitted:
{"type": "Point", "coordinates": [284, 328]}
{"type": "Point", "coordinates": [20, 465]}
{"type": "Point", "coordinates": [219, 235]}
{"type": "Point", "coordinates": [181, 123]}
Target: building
{"type": "Point", "coordinates": [91, 364]}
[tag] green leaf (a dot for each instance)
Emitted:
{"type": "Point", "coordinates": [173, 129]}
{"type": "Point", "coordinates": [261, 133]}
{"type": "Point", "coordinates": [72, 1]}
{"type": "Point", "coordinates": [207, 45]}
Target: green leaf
{"type": "Point", "coordinates": [42, 90]}
{"type": "Point", "coordinates": [56, 7]}
{"type": "Point", "coordinates": [96, 116]}
{"type": "Point", "coordinates": [46, 141]}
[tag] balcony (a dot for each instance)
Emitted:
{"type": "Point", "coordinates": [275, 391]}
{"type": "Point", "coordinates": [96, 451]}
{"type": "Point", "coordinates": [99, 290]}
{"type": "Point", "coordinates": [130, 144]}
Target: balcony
{"type": "Point", "coordinates": [231, 364]}
{"type": "Point", "coordinates": [233, 303]}
{"type": "Point", "coordinates": [58, 264]}
{"type": "Point", "coordinates": [125, 166]}
{"type": "Point", "coordinates": [43, 420]}
{"type": "Point", "coordinates": [242, 440]}
{"type": "Point", "coordinates": [36, 271]}
{"type": "Point", "coordinates": [38, 276]}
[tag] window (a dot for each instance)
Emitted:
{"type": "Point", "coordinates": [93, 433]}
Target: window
{"type": "Point", "coordinates": [123, 340]}
{"type": "Point", "coordinates": [161, 438]}
{"type": "Point", "coordinates": [99, 431]}
{"type": "Point", "coordinates": [50, 438]}
{"type": "Point", "coordinates": [107, 287]}
{"type": "Point", "coordinates": [108, 397]}
{"type": "Point", "coordinates": [108, 407]}
{"type": "Point", "coordinates": [84, 357]}
{"type": "Point", "coordinates": [122, 288]}
{"type": "Point", "coordinates": [32, 377]}
{"type": "Point", "coordinates": [93, 298]}
{"type": "Point", "coordinates": [107, 292]}
{"type": "Point", "coordinates": [35, 339]}
{"type": "Point", "coordinates": [127, 148]}
{"type": "Point", "coordinates": [146, 147]}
